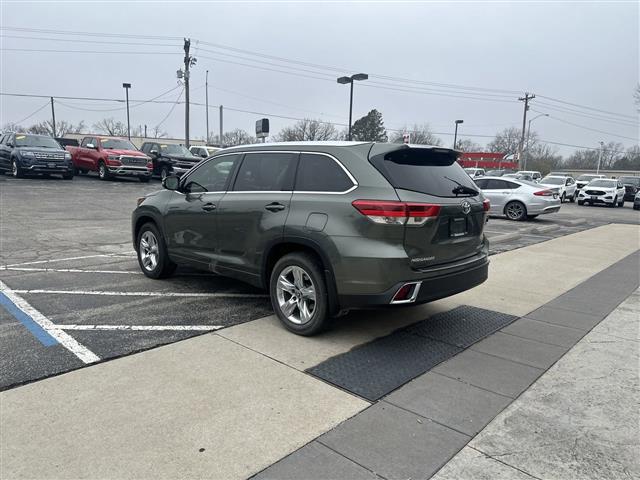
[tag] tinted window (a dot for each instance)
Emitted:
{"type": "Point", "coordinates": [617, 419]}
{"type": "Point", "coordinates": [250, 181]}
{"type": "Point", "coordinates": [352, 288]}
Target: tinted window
{"type": "Point", "coordinates": [431, 171]}
{"type": "Point", "coordinates": [499, 185]}
{"type": "Point", "coordinates": [482, 183]}
{"type": "Point", "coordinates": [635, 181]}
{"type": "Point", "coordinates": [320, 173]}
{"type": "Point", "coordinates": [145, 147]}
{"type": "Point", "coordinates": [511, 185]}
{"type": "Point", "coordinates": [261, 172]}
{"type": "Point", "coordinates": [211, 176]}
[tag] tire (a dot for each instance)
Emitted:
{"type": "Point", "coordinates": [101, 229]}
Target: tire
{"type": "Point", "coordinates": [103, 171]}
{"type": "Point", "coordinates": [580, 202]}
{"type": "Point", "coordinates": [531, 217]}
{"type": "Point", "coordinates": [152, 253]}
{"type": "Point", "coordinates": [67, 176]}
{"type": "Point", "coordinates": [302, 273]}
{"type": "Point", "coordinates": [573, 198]}
{"type": "Point", "coordinates": [84, 171]}
{"type": "Point", "coordinates": [563, 198]}
{"type": "Point", "coordinates": [515, 211]}
{"type": "Point", "coordinates": [621, 204]}
{"type": "Point", "coordinates": [16, 171]}
{"type": "Point", "coordinates": [613, 204]}
{"type": "Point", "coordinates": [144, 179]}
{"type": "Point", "coordinates": [164, 173]}
{"type": "Point", "coordinates": [636, 207]}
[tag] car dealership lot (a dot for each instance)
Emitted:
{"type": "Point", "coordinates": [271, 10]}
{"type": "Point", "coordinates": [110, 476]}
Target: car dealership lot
{"type": "Point", "coordinates": [66, 251]}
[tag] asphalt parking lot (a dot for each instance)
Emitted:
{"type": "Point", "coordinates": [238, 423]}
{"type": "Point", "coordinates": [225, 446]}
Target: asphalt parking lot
{"type": "Point", "coordinates": [66, 251]}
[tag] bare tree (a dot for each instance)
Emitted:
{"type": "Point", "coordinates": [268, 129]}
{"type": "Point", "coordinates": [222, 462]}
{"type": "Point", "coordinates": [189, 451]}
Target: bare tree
{"type": "Point", "coordinates": [636, 96]}
{"type": "Point", "coordinates": [12, 127]}
{"type": "Point", "coordinates": [467, 145]}
{"type": "Point", "coordinates": [419, 134]}
{"type": "Point", "coordinates": [62, 128]}
{"type": "Point", "coordinates": [506, 141]}
{"type": "Point", "coordinates": [234, 137]}
{"type": "Point", "coordinates": [157, 132]}
{"type": "Point", "coordinates": [110, 126]}
{"type": "Point", "coordinates": [307, 129]}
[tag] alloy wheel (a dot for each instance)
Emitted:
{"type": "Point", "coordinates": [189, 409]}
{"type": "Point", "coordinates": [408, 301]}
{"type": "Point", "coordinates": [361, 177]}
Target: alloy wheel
{"type": "Point", "coordinates": [515, 211]}
{"type": "Point", "coordinates": [14, 169]}
{"type": "Point", "coordinates": [296, 294]}
{"type": "Point", "coordinates": [149, 254]}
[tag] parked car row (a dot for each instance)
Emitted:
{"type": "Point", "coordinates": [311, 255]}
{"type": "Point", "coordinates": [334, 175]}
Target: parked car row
{"type": "Point", "coordinates": [24, 153]}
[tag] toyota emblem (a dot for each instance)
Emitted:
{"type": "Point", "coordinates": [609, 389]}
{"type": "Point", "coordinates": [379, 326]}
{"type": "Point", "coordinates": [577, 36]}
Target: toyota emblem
{"type": "Point", "coordinates": [466, 207]}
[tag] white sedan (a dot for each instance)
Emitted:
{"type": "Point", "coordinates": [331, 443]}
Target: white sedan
{"type": "Point", "coordinates": [564, 185]}
{"type": "Point", "coordinates": [605, 191]}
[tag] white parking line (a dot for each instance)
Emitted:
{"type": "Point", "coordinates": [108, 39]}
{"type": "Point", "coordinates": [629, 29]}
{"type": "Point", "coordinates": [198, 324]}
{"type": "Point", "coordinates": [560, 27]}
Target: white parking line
{"type": "Point", "coordinates": [154, 328]}
{"type": "Point", "coordinates": [142, 294]}
{"type": "Point", "coordinates": [79, 350]}
{"type": "Point", "coordinates": [69, 270]}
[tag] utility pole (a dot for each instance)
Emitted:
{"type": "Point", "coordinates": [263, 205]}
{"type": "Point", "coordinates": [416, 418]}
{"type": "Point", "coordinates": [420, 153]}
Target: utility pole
{"type": "Point", "coordinates": [206, 94]}
{"type": "Point", "coordinates": [187, 64]}
{"type": "Point", "coordinates": [53, 115]}
{"type": "Point", "coordinates": [600, 157]}
{"type": "Point", "coordinates": [145, 131]}
{"type": "Point", "coordinates": [524, 99]}
{"type": "Point", "coordinates": [220, 139]}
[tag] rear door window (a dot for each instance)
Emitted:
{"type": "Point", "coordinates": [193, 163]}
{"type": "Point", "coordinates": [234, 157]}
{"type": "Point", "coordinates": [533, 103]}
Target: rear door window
{"type": "Point", "coordinates": [266, 172]}
{"type": "Point", "coordinates": [321, 173]}
{"type": "Point", "coordinates": [431, 171]}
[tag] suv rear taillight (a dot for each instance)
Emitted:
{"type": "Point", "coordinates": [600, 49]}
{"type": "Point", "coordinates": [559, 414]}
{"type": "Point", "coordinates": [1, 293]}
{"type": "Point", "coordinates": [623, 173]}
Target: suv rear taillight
{"type": "Point", "coordinates": [543, 193]}
{"type": "Point", "coordinates": [486, 205]}
{"type": "Point", "coordinates": [397, 213]}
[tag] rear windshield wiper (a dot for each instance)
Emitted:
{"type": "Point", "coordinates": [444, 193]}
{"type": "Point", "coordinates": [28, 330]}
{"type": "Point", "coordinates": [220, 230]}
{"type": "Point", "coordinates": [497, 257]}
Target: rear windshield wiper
{"type": "Point", "coordinates": [462, 188]}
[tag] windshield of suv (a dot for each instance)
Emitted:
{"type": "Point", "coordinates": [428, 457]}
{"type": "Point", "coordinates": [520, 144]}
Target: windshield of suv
{"type": "Point", "coordinates": [587, 177]}
{"type": "Point", "coordinates": [431, 171]}
{"type": "Point", "coordinates": [36, 141]}
{"type": "Point", "coordinates": [171, 149]}
{"type": "Point", "coordinates": [603, 183]}
{"type": "Point", "coordinates": [635, 181]}
{"type": "Point", "coordinates": [553, 181]}
{"type": "Point", "coordinates": [117, 144]}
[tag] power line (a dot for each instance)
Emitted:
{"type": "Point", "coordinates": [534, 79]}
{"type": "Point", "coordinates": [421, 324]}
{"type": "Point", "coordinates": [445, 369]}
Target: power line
{"type": "Point", "coordinates": [171, 109]}
{"type": "Point", "coordinates": [589, 108]}
{"type": "Point", "coordinates": [32, 114]}
{"type": "Point", "coordinates": [75, 40]}
{"type": "Point", "coordinates": [89, 34]}
{"type": "Point", "coordinates": [594, 116]}
{"type": "Point", "coordinates": [586, 128]}
{"type": "Point", "coordinates": [125, 52]}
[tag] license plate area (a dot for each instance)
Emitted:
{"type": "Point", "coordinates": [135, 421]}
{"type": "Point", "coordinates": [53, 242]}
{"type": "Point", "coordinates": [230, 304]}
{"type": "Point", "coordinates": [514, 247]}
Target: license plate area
{"type": "Point", "coordinates": [458, 227]}
{"type": "Point", "coordinates": [593, 197]}
{"type": "Point", "coordinates": [51, 165]}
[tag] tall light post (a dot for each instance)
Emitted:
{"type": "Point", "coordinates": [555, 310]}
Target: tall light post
{"type": "Point", "coordinates": [126, 87]}
{"type": "Point", "coordinates": [600, 157]}
{"type": "Point", "coordinates": [206, 92]}
{"type": "Point", "coordinates": [524, 166]}
{"type": "Point", "coordinates": [455, 135]}
{"type": "Point", "coordinates": [351, 79]}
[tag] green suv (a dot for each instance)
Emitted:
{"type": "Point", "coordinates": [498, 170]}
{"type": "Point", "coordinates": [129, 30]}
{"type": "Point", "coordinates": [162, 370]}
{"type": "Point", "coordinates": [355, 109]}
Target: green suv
{"type": "Point", "coordinates": [325, 227]}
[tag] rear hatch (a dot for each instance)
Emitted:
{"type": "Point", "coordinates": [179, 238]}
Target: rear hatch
{"type": "Point", "coordinates": [431, 175]}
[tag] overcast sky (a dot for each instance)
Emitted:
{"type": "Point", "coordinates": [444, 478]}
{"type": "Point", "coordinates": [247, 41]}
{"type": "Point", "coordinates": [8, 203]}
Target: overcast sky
{"type": "Point", "coordinates": [586, 54]}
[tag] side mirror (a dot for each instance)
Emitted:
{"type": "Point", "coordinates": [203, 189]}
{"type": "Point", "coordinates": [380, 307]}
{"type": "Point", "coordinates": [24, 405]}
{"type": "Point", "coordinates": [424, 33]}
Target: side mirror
{"type": "Point", "coordinates": [171, 182]}
{"type": "Point", "coordinates": [153, 153]}
{"type": "Point", "coordinates": [91, 146]}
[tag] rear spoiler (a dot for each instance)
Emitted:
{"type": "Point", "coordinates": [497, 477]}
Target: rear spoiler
{"type": "Point", "coordinates": [383, 148]}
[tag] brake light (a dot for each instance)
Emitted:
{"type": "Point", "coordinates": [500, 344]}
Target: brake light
{"type": "Point", "coordinates": [397, 213]}
{"type": "Point", "coordinates": [543, 193]}
{"type": "Point", "coordinates": [486, 205]}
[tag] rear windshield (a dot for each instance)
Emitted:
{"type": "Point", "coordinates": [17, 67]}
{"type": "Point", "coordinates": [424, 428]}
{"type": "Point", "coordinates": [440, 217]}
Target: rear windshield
{"type": "Point", "coordinates": [587, 177]}
{"type": "Point", "coordinates": [552, 181]}
{"type": "Point", "coordinates": [431, 171]}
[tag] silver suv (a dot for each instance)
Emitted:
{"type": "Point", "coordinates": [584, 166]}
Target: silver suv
{"type": "Point", "coordinates": [325, 227]}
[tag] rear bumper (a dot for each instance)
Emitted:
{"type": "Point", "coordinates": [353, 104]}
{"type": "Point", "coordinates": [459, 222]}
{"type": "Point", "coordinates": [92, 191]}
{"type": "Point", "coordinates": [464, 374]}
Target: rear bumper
{"type": "Point", "coordinates": [430, 289]}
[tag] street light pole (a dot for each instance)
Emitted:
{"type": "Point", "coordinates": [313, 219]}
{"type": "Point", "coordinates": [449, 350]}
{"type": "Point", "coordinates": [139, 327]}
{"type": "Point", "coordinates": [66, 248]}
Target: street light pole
{"type": "Point", "coordinates": [528, 134]}
{"type": "Point", "coordinates": [126, 87]}
{"type": "Point", "coordinates": [600, 157]}
{"type": "Point", "coordinates": [206, 93]}
{"type": "Point", "coordinates": [455, 135]}
{"type": "Point", "coordinates": [351, 79]}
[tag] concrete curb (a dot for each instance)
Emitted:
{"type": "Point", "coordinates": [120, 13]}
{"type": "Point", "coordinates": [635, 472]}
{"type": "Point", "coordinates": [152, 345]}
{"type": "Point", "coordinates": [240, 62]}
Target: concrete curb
{"type": "Point", "coordinates": [504, 238]}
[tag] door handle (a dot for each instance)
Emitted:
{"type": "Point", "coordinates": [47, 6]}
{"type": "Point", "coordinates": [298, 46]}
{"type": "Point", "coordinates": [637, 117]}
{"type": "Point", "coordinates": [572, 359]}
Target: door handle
{"type": "Point", "coordinates": [275, 207]}
{"type": "Point", "coordinates": [209, 207]}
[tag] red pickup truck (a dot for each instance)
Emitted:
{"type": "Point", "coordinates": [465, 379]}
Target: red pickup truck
{"type": "Point", "coordinates": [110, 157]}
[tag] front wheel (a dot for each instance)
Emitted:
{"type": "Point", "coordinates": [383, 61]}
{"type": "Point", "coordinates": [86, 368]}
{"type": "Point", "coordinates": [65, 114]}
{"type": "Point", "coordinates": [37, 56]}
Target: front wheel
{"type": "Point", "coordinates": [613, 204]}
{"type": "Point", "coordinates": [164, 173]}
{"type": "Point", "coordinates": [621, 204]}
{"type": "Point", "coordinates": [573, 198]}
{"type": "Point", "coordinates": [16, 171]}
{"type": "Point", "coordinates": [67, 176]}
{"type": "Point", "coordinates": [580, 202]}
{"type": "Point", "coordinates": [153, 257]}
{"type": "Point", "coordinates": [515, 211]}
{"type": "Point", "coordinates": [563, 198]}
{"type": "Point", "coordinates": [103, 172]}
{"type": "Point", "coordinates": [144, 178]}
{"type": "Point", "coordinates": [299, 294]}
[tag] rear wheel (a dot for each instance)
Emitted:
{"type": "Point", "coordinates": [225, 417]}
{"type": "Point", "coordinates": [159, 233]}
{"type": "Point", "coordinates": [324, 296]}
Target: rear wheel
{"type": "Point", "coordinates": [515, 211]}
{"type": "Point", "coordinates": [299, 294]}
{"type": "Point", "coordinates": [144, 178]}
{"type": "Point", "coordinates": [152, 253]}
{"type": "Point", "coordinates": [103, 172]}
